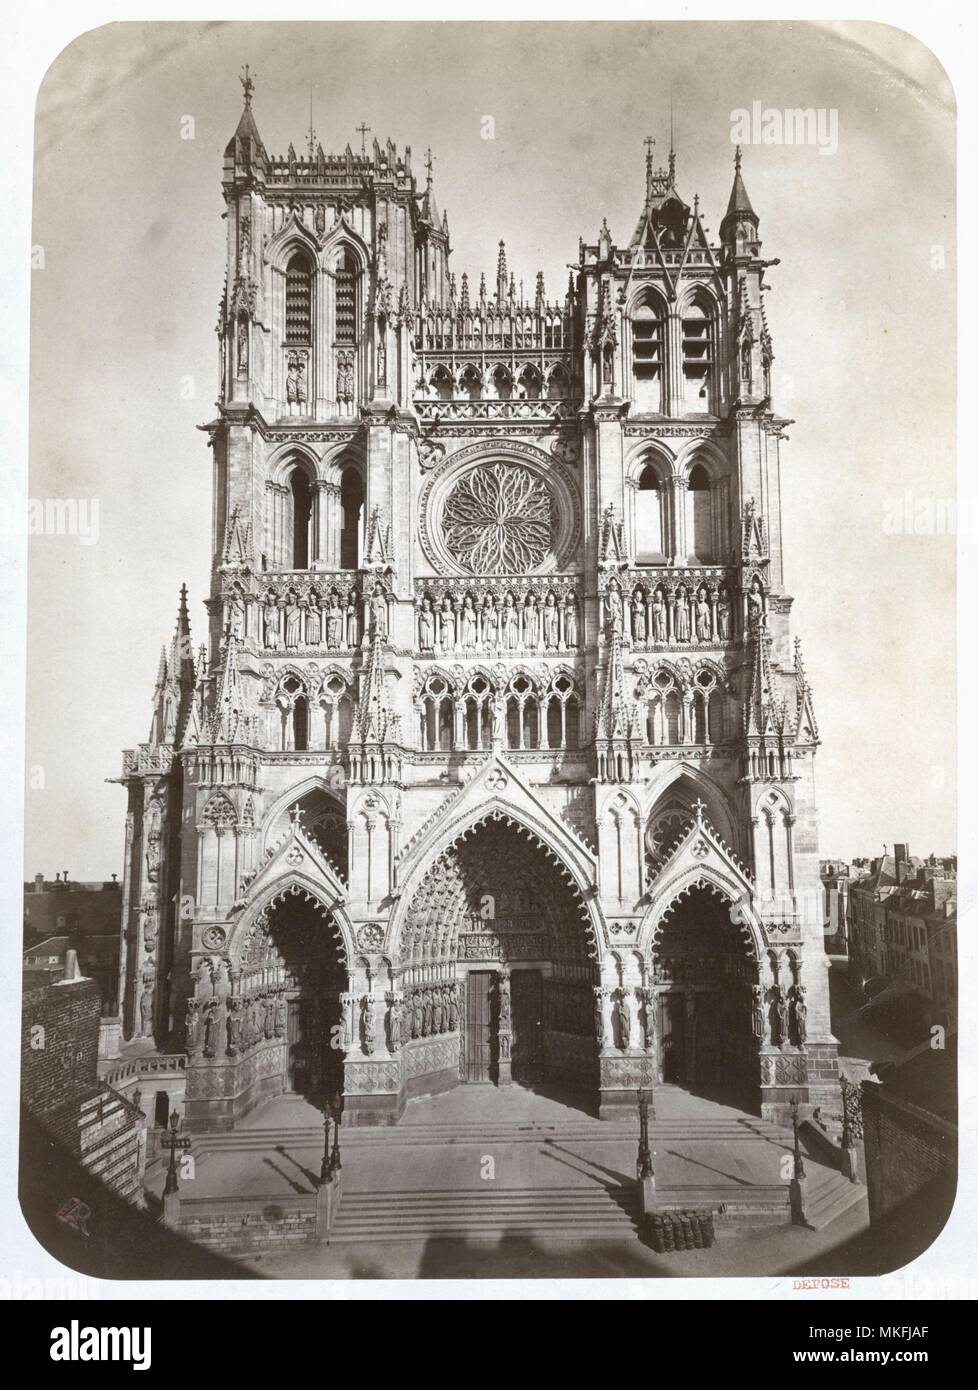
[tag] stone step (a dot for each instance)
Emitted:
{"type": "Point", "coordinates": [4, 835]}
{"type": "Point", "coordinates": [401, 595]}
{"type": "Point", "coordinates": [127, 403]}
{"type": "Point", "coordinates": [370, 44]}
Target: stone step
{"type": "Point", "coordinates": [833, 1198]}
{"type": "Point", "coordinates": [558, 1213]}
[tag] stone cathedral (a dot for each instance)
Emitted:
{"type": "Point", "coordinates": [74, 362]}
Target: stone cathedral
{"type": "Point", "coordinates": [497, 765]}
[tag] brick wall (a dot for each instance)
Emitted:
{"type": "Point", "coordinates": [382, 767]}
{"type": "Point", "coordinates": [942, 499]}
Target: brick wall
{"type": "Point", "coordinates": [907, 1149]}
{"type": "Point", "coordinates": [59, 1044]}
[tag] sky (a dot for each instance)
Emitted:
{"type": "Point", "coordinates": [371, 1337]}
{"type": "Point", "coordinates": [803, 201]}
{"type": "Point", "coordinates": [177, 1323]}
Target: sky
{"type": "Point", "coordinates": [129, 264]}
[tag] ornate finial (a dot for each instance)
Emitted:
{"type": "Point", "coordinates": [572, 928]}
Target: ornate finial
{"type": "Point", "coordinates": [310, 133]}
{"type": "Point", "coordinates": [699, 806]}
{"type": "Point", "coordinates": [429, 163]}
{"type": "Point", "coordinates": [295, 815]}
{"type": "Point", "coordinates": [247, 84]}
{"type": "Point", "coordinates": [737, 160]}
{"type": "Point", "coordinates": [363, 130]}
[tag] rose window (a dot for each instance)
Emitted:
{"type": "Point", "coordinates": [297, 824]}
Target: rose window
{"type": "Point", "coordinates": [665, 832]}
{"type": "Point", "coordinates": [499, 519]}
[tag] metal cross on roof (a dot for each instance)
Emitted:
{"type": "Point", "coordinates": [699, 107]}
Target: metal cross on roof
{"type": "Point", "coordinates": [363, 130]}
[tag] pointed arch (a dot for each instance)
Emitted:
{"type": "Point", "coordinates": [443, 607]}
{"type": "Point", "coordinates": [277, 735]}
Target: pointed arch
{"type": "Point", "coordinates": [552, 838]}
{"type": "Point", "coordinates": [301, 885]}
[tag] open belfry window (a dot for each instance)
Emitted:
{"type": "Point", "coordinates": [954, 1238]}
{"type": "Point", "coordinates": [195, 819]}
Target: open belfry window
{"type": "Point", "coordinates": [298, 300]}
{"type": "Point", "coordinates": [647, 357]}
{"type": "Point", "coordinates": [346, 301]}
{"type": "Point", "coordinates": [698, 356]}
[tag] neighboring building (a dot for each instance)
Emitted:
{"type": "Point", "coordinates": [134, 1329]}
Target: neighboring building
{"type": "Point", "coordinates": [836, 876]}
{"type": "Point", "coordinates": [902, 918]}
{"type": "Point", "coordinates": [98, 960]}
{"type": "Point", "coordinates": [61, 1088]}
{"type": "Point", "coordinates": [498, 762]}
{"type": "Point", "coordinates": [910, 1136]}
{"type": "Point", "coordinates": [81, 916]}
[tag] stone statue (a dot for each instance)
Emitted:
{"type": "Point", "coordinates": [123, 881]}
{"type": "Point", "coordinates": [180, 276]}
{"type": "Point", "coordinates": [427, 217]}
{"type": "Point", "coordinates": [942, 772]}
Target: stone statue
{"type": "Point", "coordinates": [352, 626]}
{"type": "Point", "coordinates": [191, 1026]}
{"type": "Point", "coordinates": [614, 609]}
{"type": "Point", "coordinates": [367, 1021]}
{"type": "Point", "coordinates": [780, 1016]}
{"type": "Point", "coordinates": [639, 628]}
{"type": "Point", "coordinates": [625, 1020]}
{"type": "Point", "coordinates": [505, 1005]}
{"type": "Point", "coordinates": [233, 1027]}
{"type": "Point", "coordinates": [243, 348]}
{"type": "Point", "coordinates": [293, 622]}
{"type": "Point", "coordinates": [334, 624]}
{"type": "Point", "coordinates": [724, 615]}
{"type": "Point", "coordinates": [272, 622]}
{"type": "Point", "coordinates": [452, 1009]}
{"type": "Point", "coordinates": [446, 625]}
{"type": "Point", "coordinates": [281, 1015]}
{"type": "Point", "coordinates": [551, 623]}
{"type": "Point", "coordinates": [314, 621]}
{"type": "Point", "coordinates": [438, 1012]}
{"type": "Point", "coordinates": [395, 1023]}
{"type": "Point", "coordinates": [269, 1018]}
{"type": "Point", "coordinates": [531, 624]}
{"type": "Point", "coordinates": [570, 622]}
{"type": "Point", "coordinates": [378, 612]}
{"type": "Point", "coordinates": [755, 606]}
{"type": "Point", "coordinates": [468, 625]}
{"type": "Point", "coordinates": [426, 627]}
{"type": "Point", "coordinates": [682, 615]}
{"type": "Point", "coordinates": [757, 1012]}
{"type": "Point", "coordinates": [703, 617]}
{"type": "Point", "coordinates": [659, 624]}
{"type": "Point", "coordinates": [146, 1009]}
{"type": "Point", "coordinates": [416, 1019]}
{"type": "Point", "coordinates": [801, 1016]}
{"type": "Point", "coordinates": [511, 625]}
{"type": "Point", "coordinates": [490, 622]}
{"type": "Point", "coordinates": [346, 1006]}
{"type": "Point", "coordinates": [210, 1028]}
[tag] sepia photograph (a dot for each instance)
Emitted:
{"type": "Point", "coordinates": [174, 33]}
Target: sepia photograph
{"type": "Point", "coordinates": [490, 765]}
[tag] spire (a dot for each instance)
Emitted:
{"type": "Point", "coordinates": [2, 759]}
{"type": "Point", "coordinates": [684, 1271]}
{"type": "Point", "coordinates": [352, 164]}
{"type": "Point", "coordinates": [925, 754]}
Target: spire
{"type": "Point", "coordinates": [541, 297]}
{"type": "Point", "coordinates": [501, 275]}
{"type": "Point", "coordinates": [464, 304]}
{"type": "Point", "coordinates": [174, 689]}
{"type": "Point", "coordinates": [615, 726]}
{"type": "Point", "coordinates": [230, 722]}
{"type": "Point", "coordinates": [739, 207]}
{"type": "Point", "coordinates": [245, 146]}
{"type": "Point", "coordinates": [429, 208]}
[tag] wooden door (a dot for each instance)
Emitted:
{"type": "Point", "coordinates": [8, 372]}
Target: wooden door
{"type": "Point", "coordinates": [527, 989]}
{"type": "Point", "coordinates": [478, 1026]}
{"type": "Point", "coordinates": [300, 1040]}
{"type": "Point", "coordinates": [672, 1038]}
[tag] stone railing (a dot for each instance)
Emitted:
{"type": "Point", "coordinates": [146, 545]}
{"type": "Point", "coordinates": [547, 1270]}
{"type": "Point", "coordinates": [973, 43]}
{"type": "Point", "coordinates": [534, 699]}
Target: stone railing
{"type": "Point", "coordinates": [429, 411]}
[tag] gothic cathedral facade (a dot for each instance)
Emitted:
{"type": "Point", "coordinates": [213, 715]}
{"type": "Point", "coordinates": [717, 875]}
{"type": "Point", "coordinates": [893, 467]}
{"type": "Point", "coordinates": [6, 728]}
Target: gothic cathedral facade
{"type": "Point", "coordinates": [497, 764]}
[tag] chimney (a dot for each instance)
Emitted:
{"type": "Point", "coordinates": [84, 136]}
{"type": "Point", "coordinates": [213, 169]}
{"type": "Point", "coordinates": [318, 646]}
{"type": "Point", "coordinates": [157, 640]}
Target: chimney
{"type": "Point", "coordinates": [38, 883]}
{"type": "Point", "coordinates": [72, 975]}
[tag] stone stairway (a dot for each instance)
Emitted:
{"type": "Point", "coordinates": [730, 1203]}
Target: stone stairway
{"type": "Point", "coordinates": [437, 1134]}
{"type": "Point", "coordinates": [831, 1199]}
{"type": "Point", "coordinates": [570, 1213]}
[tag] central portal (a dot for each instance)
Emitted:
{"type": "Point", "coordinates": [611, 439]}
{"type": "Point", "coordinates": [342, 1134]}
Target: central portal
{"type": "Point", "coordinates": [497, 924]}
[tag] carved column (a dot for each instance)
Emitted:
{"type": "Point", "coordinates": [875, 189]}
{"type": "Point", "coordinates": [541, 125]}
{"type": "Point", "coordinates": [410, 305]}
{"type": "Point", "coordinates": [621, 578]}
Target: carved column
{"type": "Point", "coordinates": [504, 1028]}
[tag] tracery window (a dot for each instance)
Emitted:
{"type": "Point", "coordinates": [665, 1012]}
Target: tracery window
{"type": "Point", "coordinates": [499, 519]}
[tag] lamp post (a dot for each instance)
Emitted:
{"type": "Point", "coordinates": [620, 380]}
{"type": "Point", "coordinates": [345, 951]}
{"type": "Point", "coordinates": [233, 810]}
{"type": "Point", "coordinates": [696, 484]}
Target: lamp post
{"type": "Point", "coordinates": [324, 1172]}
{"type": "Point", "coordinates": [334, 1159]}
{"type": "Point", "coordinates": [799, 1165]}
{"type": "Point", "coordinates": [644, 1166]}
{"type": "Point", "coordinates": [173, 1141]}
